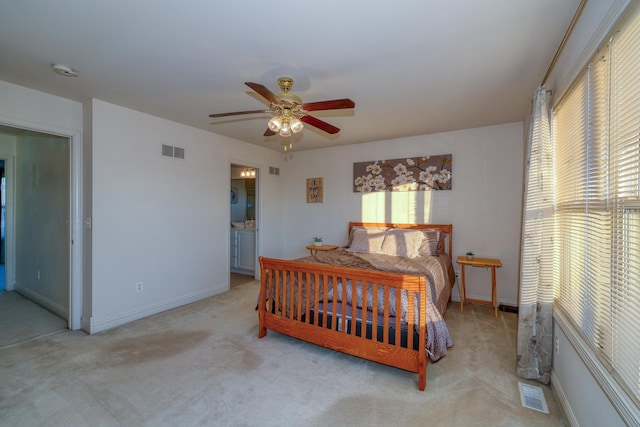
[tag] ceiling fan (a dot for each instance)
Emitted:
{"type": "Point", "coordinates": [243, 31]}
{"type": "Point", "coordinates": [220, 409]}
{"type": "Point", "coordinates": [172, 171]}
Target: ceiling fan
{"type": "Point", "coordinates": [289, 111]}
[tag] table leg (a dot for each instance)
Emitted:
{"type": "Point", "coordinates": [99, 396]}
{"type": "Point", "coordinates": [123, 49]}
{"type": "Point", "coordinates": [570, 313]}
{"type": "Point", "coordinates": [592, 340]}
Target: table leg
{"type": "Point", "coordinates": [463, 291]}
{"type": "Point", "coordinates": [494, 294]}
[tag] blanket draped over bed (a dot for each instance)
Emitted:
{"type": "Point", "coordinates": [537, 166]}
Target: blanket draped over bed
{"type": "Point", "coordinates": [434, 268]}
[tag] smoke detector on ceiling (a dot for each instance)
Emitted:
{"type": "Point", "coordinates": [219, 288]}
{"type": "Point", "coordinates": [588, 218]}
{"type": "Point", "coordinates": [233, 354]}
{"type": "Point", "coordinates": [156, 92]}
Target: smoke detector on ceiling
{"type": "Point", "coordinates": [63, 70]}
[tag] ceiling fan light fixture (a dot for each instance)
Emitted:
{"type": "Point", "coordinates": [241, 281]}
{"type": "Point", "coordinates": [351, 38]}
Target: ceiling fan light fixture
{"type": "Point", "coordinates": [288, 109]}
{"type": "Point", "coordinates": [275, 124]}
{"type": "Point", "coordinates": [285, 131]}
{"type": "Point", "coordinates": [296, 125]}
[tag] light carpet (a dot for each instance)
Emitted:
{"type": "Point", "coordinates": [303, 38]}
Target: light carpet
{"type": "Point", "coordinates": [22, 320]}
{"type": "Point", "coordinates": [202, 364]}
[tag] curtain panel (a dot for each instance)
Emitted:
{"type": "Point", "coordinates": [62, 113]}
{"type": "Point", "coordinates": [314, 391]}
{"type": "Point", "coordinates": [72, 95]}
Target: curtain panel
{"type": "Point", "coordinates": [535, 330]}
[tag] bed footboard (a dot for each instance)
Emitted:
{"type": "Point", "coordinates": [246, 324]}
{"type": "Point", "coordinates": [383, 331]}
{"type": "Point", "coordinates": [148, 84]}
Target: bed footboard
{"type": "Point", "coordinates": [349, 310]}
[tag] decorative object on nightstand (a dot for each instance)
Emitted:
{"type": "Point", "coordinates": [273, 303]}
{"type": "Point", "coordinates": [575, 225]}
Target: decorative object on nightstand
{"type": "Point", "coordinates": [470, 255]}
{"type": "Point", "coordinates": [493, 263]}
{"type": "Point", "coordinates": [317, 241]}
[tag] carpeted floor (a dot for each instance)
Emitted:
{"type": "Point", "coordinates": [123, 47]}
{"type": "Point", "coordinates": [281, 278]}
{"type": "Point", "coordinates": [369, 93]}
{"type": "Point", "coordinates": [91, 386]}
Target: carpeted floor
{"type": "Point", "coordinates": [203, 364]}
{"type": "Point", "coordinates": [22, 320]}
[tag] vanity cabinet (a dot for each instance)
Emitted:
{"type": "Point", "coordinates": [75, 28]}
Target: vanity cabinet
{"type": "Point", "coordinates": [243, 251]}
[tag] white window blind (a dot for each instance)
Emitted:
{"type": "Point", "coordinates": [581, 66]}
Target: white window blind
{"type": "Point", "coordinates": [624, 354]}
{"type": "Point", "coordinates": [596, 142]}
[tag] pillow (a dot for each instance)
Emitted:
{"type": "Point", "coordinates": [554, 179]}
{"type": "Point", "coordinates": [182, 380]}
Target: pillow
{"type": "Point", "coordinates": [405, 243]}
{"type": "Point", "coordinates": [360, 227]}
{"type": "Point", "coordinates": [366, 241]}
{"type": "Point", "coordinates": [430, 242]}
{"type": "Point", "coordinates": [442, 242]}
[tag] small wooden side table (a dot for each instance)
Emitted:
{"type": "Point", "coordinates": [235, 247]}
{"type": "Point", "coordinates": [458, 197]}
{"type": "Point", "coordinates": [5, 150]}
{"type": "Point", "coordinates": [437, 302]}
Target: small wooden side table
{"type": "Point", "coordinates": [479, 262]}
{"type": "Point", "coordinates": [313, 249]}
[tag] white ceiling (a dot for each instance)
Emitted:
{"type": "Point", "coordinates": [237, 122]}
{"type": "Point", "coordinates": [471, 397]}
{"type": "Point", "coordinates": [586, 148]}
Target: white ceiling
{"type": "Point", "coordinates": [412, 67]}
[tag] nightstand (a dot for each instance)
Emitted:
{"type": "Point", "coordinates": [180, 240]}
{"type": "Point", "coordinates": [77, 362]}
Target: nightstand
{"type": "Point", "coordinates": [313, 249]}
{"type": "Point", "coordinates": [492, 263]}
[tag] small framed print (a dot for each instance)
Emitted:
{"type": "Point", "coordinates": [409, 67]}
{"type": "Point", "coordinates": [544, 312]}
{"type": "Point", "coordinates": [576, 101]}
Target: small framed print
{"type": "Point", "coordinates": [234, 195]}
{"type": "Point", "coordinates": [314, 190]}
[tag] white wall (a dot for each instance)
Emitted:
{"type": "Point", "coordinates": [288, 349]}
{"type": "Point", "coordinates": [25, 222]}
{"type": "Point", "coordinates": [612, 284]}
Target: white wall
{"type": "Point", "coordinates": [484, 205]}
{"type": "Point", "coordinates": [36, 110]}
{"type": "Point", "coordinates": [589, 406]}
{"type": "Point", "coordinates": [164, 221]}
{"type": "Point", "coordinates": [7, 144]}
{"type": "Point", "coordinates": [149, 213]}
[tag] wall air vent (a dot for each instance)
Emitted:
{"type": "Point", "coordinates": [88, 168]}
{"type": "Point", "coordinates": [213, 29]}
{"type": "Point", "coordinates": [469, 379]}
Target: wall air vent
{"type": "Point", "coordinates": [169, 151]}
{"type": "Point", "coordinates": [274, 170]}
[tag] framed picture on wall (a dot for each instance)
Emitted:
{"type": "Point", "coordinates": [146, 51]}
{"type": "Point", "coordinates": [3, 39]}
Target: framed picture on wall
{"type": "Point", "coordinates": [314, 190]}
{"type": "Point", "coordinates": [234, 195]}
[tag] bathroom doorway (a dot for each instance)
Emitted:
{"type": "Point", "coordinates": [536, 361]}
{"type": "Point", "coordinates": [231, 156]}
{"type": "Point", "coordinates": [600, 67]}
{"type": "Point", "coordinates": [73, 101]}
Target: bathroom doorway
{"type": "Point", "coordinates": [244, 227]}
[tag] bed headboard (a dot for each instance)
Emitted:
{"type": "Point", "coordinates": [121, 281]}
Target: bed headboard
{"type": "Point", "coordinates": [446, 228]}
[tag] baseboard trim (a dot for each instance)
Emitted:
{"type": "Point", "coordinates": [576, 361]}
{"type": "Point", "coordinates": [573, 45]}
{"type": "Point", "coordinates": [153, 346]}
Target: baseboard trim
{"type": "Point", "coordinates": [99, 325]}
{"type": "Point", "coordinates": [85, 324]}
{"type": "Point", "coordinates": [455, 296]}
{"type": "Point", "coordinates": [561, 397]}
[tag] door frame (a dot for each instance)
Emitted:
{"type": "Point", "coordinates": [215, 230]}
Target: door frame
{"type": "Point", "coordinates": [258, 218]}
{"type": "Point", "coordinates": [9, 239]}
{"type": "Point", "coordinates": [75, 213]}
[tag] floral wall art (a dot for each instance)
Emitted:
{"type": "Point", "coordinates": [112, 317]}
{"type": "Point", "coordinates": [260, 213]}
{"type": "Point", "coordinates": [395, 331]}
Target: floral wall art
{"type": "Point", "coordinates": [421, 173]}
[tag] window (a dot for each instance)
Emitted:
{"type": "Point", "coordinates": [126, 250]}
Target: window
{"type": "Point", "coordinates": [596, 145]}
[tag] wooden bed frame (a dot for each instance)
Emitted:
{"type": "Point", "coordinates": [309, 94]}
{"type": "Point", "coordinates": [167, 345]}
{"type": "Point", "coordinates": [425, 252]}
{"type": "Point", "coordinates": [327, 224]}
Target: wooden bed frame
{"type": "Point", "coordinates": [298, 317]}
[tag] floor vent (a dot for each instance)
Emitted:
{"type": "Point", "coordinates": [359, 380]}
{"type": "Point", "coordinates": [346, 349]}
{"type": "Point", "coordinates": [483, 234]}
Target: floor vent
{"type": "Point", "coordinates": [169, 151]}
{"type": "Point", "coordinates": [532, 397]}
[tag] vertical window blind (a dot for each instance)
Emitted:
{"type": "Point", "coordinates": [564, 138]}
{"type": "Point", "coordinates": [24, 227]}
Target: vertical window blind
{"type": "Point", "coordinates": [596, 146]}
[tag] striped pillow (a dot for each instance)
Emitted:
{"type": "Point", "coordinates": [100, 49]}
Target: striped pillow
{"type": "Point", "coordinates": [429, 246]}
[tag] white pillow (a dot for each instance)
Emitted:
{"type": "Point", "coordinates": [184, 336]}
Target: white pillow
{"type": "Point", "coordinates": [360, 227]}
{"type": "Point", "coordinates": [401, 242]}
{"type": "Point", "coordinates": [367, 241]}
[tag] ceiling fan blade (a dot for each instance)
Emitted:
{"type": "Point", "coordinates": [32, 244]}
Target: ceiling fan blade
{"type": "Point", "coordinates": [236, 113]}
{"type": "Point", "coordinates": [266, 93]}
{"type": "Point", "coordinates": [269, 132]}
{"type": "Point", "coordinates": [334, 104]}
{"type": "Point", "coordinates": [319, 124]}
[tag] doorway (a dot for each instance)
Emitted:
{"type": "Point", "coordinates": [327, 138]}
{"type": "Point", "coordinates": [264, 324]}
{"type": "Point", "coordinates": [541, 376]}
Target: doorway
{"type": "Point", "coordinates": [3, 201]}
{"type": "Point", "coordinates": [244, 214]}
{"type": "Point", "coordinates": [37, 219]}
